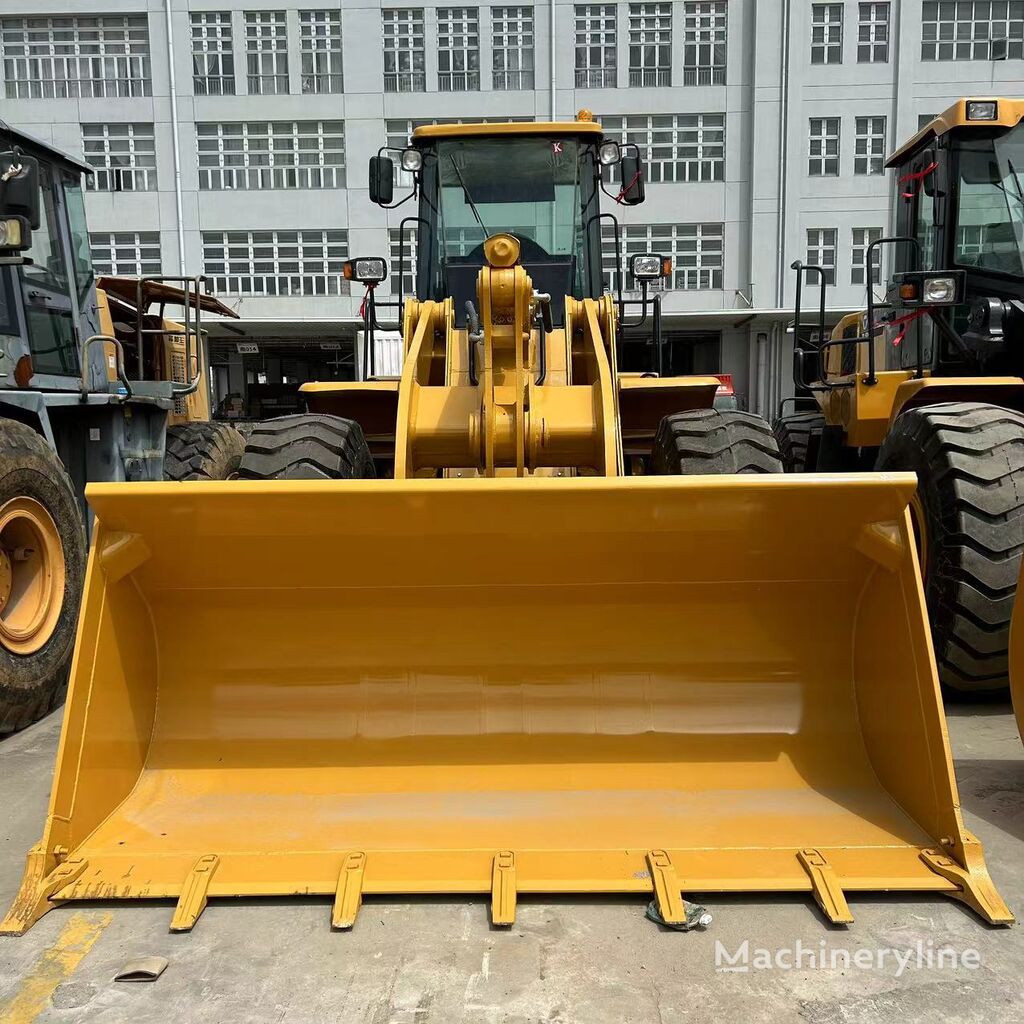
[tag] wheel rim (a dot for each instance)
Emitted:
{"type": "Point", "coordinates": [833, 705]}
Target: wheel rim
{"type": "Point", "coordinates": [920, 523]}
{"type": "Point", "coordinates": [32, 575]}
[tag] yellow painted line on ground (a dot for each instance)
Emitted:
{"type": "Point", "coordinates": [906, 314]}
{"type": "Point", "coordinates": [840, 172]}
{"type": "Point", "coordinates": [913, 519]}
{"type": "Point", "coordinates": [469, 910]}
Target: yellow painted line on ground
{"type": "Point", "coordinates": [54, 967]}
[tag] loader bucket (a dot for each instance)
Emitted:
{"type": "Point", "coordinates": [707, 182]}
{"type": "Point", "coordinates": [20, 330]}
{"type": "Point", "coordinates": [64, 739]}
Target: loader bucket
{"type": "Point", "coordinates": [504, 686]}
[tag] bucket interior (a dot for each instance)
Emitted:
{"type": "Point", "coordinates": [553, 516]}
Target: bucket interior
{"type": "Point", "coordinates": [558, 665]}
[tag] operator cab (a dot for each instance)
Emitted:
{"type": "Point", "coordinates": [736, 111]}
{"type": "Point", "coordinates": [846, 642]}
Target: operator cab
{"type": "Point", "coordinates": [961, 199]}
{"type": "Point", "coordinates": [538, 182]}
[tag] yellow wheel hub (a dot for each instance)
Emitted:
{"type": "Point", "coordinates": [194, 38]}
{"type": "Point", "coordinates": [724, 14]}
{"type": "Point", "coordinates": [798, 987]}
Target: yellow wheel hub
{"type": "Point", "coordinates": [920, 523]}
{"type": "Point", "coordinates": [31, 576]}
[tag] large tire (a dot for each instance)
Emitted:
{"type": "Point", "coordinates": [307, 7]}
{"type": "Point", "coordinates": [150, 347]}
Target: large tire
{"type": "Point", "coordinates": [202, 451]}
{"type": "Point", "coordinates": [34, 486]}
{"type": "Point", "coordinates": [969, 460]}
{"type": "Point", "coordinates": [307, 447]}
{"type": "Point", "coordinates": [714, 441]}
{"type": "Point", "coordinates": [793, 434]}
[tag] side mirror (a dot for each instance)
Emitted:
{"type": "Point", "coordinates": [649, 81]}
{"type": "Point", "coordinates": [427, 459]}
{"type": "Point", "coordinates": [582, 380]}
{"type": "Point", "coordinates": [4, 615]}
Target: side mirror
{"type": "Point", "coordinates": [19, 187]}
{"type": "Point", "coordinates": [926, 159]}
{"type": "Point", "coordinates": [632, 180]}
{"type": "Point", "coordinates": [382, 180]}
{"type": "Point", "coordinates": [19, 201]}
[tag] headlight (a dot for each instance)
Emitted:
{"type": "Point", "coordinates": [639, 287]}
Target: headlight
{"type": "Point", "coordinates": [366, 270]}
{"type": "Point", "coordinates": [939, 290]}
{"type": "Point", "coordinates": [609, 153]}
{"type": "Point", "coordinates": [10, 233]}
{"type": "Point", "coordinates": [982, 110]}
{"type": "Point", "coordinates": [646, 266]}
{"type": "Point", "coordinates": [412, 159]}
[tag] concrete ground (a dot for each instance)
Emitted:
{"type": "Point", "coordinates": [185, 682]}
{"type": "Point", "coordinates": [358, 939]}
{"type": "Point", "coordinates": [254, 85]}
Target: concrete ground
{"type": "Point", "coordinates": [567, 960]}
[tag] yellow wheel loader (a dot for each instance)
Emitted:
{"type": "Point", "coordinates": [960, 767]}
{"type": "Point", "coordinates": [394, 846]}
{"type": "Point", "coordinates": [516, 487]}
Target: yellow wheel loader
{"type": "Point", "coordinates": [96, 384]}
{"type": "Point", "coordinates": [445, 637]}
{"type": "Point", "coordinates": [930, 379]}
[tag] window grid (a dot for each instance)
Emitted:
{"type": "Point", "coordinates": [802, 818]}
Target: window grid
{"type": "Point", "coordinates": [512, 34]}
{"type": "Point", "coordinates": [970, 29]}
{"type": "Point", "coordinates": [821, 251]}
{"type": "Point", "coordinates": [869, 146]}
{"type": "Point", "coordinates": [596, 54]}
{"type": "Point", "coordinates": [873, 33]}
{"type": "Point", "coordinates": [404, 50]}
{"type": "Point", "coordinates": [696, 250]}
{"type": "Point", "coordinates": [862, 238]}
{"type": "Point", "coordinates": [705, 24]}
{"type": "Point", "coordinates": [320, 51]}
{"type": "Point", "coordinates": [271, 154]}
{"type": "Point", "coordinates": [125, 253]}
{"type": "Point", "coordinates": [458, 49]}
{"type": "Point", "coordinates": [266, 50]}
{"type": "Point", "coordinates": [71, 57]}
{"type": "Point", "coordinates": [676, 147]}
{"type": "Point", "coordinates": [823, 147]}
{"type": "Point", "coordinates": [124, 156]}
{"type": "Point", "coordinates": [395, 249]}
{"type": "Point", "coordinates": [826, 33]}
{"type": "Point", "coordinates": [650, 44]}
{"type": "Point", "coordinates": [276, 263]}
{"type": "Point", "coordinates": [213, 60]}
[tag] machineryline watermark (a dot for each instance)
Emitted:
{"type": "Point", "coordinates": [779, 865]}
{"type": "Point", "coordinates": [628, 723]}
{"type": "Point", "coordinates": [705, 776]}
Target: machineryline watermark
{"type": "Point", "coordinates": [924, 955]}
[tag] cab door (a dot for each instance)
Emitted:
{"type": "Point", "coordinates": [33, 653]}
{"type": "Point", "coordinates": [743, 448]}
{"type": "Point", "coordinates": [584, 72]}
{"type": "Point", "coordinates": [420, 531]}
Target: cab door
{"type": "Point", "coordinates": [47, 288]}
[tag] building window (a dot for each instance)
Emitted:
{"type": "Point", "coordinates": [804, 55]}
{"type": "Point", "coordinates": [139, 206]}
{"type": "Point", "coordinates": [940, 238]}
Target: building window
{"type": "Point", "coordinates": [320, 49]}
{"type": "Point", "coordinates": [271, 154]}
{"type": "Point", "coordinates": [513, 47]}
{"type": "Point", "coordinates": [826, 33]}
{"type": "Point", "coordinates": [823, 147]}
{"type": "Point", "coordinates": [923, 120]}
{"type": "Point", "coordinates": [704, 41]}
{"type": "Point", "coordinates": [458, 49]}
{"type": "Point", "coordinates": [821, 251]}
{"type": "Point", "coordinates": [650, 44]}
{"type": "Point", "coordinates": [276, 262]}
{"type": "Point", "coordinates": [595, 46]}
{"type": "Point", "coordinates": [408, 268]}
{"type": "Point", "coordinates": [124, 156]}
{"type": "Point", "coordinates": [126, 253]}
{"type": "Point", "coordinates": [266, 52]}
{"type": "Point", "coordinates": [869, 150]}
{"type": "Point", "coordinates": [862, 238]}
{"type": "Point", "coordinates": [972, 30]}
{"type": "Point", "coordinates": [213, 62]}
{"type": "Point", "coordinates": [404, 51]}
{"type": "Point", "coordinates": [873, 34]}
{"type": "Point", "coordinates": [676, 147]}
{"type": "Point", "coordinates": [76, 57]}
{"type": "Point", "coordinates": [697, 252]}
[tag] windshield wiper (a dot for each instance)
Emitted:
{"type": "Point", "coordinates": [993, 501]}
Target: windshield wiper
{"type": "Point", "coordinates": [469, 198]}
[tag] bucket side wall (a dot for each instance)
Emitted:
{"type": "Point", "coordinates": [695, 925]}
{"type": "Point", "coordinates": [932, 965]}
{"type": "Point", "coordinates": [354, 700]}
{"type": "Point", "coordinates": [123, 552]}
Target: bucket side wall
{"type": "Point", "coordinates": [111, 704]}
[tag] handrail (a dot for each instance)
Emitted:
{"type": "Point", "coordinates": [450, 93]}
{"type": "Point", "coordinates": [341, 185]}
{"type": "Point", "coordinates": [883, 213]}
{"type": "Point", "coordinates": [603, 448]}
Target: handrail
{"type": "Point", "coordinates": [118, 364]}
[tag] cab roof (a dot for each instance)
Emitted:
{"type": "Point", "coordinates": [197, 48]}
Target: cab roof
{"type": "Point", "coordinates": [1008, 114]}
{"type": "Point", "coordinates": [589, 129]}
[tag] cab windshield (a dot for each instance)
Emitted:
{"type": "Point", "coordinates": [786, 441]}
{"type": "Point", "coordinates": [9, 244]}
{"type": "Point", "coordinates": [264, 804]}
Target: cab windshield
{"type": "Point", "coordinates": [529, 187]}
{"type": "Point", "coordinates": [990, 214]}
{"type": "Point", "coordinates": [541, 189]}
